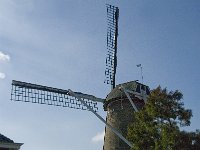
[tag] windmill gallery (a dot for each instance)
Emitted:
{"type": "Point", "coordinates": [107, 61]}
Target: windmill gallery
{"type": "Point", "coordinates": [120, 103]}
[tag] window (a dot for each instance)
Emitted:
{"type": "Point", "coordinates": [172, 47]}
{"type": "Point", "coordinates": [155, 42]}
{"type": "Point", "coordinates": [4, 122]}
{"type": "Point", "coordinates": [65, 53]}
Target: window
{"type": "Point", "coordinates": [138, 88]}
{"type": "Point", "coordinates": [142, 87]}
{"type": "Point", "coordinates": [147, 91]}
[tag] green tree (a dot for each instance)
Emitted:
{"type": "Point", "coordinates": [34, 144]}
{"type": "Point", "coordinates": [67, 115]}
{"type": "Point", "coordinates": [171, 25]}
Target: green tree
{"type": "Point", "coordinates": [188, 141]}
{"type": "Point", "coordinates": [157, 125]}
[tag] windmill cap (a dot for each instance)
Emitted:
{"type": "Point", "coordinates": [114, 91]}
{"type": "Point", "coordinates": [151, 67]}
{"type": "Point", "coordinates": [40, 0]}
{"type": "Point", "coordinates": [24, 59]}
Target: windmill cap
{"type": "Point", "coordinates": [118, 93]}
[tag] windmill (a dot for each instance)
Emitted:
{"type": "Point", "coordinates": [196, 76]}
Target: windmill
{"type": "Point", "coordinates": [120, 103]}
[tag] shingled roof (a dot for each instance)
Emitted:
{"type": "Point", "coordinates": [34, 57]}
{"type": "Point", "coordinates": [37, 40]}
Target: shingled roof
{"type": "Point", "coordinates": [4, 139]}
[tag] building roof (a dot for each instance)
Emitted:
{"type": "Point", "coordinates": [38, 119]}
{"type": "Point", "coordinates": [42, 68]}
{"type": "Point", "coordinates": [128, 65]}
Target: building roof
{"type": "Point", "coordinates": [4, 139]}
{"type": "Point", "coordinates": [117, 93]}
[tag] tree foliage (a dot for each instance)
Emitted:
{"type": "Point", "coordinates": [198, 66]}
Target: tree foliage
{"type": "Point", "coordinates": [157, 125]}
{"type": "Point", "coordinates": [188, 141]}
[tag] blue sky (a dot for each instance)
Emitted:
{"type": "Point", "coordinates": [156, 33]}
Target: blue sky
{"type": "Point", "coordinates": [63, 44]}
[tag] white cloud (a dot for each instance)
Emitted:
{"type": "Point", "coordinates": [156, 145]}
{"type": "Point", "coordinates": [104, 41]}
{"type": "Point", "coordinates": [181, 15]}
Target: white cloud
{"type": "Point", "coordinates": [99, 137]}
{"type": "Point", "coordinates": [2, 75]}
{"type": "Point", "coordinates": [4, 57]}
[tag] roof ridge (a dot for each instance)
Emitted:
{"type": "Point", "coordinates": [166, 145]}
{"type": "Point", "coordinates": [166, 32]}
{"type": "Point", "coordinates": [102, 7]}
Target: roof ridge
{"type": "Point", "coordinates": [5, 139]}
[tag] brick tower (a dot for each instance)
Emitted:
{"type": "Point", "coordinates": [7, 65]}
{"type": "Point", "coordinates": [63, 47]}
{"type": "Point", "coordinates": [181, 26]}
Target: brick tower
{"type": "Point", "coordinates": [120, 111]}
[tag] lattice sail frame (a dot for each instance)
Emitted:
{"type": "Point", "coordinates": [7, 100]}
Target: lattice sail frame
{"type": "Point", "coordinates": [112, 34]}
{"type": "Point", "coordinates": [27, 92]}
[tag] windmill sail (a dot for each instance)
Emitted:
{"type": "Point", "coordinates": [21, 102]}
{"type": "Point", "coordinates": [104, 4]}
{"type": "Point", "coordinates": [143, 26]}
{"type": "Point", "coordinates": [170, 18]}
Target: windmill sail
{"type": "Point", "coordinates": [28, 92]}
{"type": "Point", "coordinates": [112, 34]}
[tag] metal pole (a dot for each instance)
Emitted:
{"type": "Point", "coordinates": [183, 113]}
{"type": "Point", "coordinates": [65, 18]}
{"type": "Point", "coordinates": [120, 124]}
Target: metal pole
{"type": "Point", "coordinates": [140, 65]}
{"type": "Point", "coordinates": [141, 73]}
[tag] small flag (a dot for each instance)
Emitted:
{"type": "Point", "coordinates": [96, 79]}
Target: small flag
{"type": "Point", "coordinates": [139, 65]}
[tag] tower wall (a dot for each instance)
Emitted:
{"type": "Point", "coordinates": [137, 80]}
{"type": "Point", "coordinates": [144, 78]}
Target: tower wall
{"type": "Point", "coordinates": [119, 116]}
